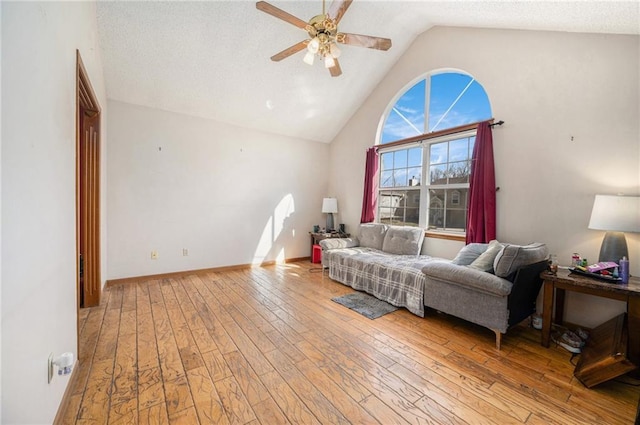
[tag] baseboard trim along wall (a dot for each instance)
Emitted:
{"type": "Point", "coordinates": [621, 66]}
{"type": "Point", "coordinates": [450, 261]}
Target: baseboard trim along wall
{"type": "Point", "coordinates": [112, 282]}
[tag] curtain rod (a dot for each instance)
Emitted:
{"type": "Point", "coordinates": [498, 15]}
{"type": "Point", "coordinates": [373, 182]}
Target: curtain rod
{"type": "Point", "coordinates": [433, 135]}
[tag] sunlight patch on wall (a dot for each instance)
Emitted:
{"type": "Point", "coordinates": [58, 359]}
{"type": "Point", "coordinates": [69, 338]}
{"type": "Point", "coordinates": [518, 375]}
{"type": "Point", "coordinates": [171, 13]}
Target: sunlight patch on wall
{"type": "Point", "coordinates": [273, 230]}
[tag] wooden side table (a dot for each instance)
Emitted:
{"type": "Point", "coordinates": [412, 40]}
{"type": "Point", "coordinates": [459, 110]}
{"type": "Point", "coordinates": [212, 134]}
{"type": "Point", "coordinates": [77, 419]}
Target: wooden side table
{"type": "Point", "coordinates": [565, 281]}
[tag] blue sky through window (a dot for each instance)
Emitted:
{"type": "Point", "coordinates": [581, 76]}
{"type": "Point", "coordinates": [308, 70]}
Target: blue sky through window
{"type": "Point", "coordinates": [455, 99]}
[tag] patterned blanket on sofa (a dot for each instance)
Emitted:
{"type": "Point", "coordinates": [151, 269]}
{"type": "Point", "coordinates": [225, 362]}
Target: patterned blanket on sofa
{"type": "Point", "coordinates": [396, 279]}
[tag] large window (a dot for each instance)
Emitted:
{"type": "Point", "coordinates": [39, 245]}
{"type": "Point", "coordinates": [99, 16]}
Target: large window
{"type": "Point", "coordinates": [426, 183]}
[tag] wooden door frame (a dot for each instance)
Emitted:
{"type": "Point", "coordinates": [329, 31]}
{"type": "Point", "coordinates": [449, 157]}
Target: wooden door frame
{"type": "Point", "coordinates": [86, 100]}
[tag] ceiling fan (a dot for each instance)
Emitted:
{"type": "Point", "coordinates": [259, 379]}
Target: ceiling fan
{"type": "Point", "coordinates": [323, 35]}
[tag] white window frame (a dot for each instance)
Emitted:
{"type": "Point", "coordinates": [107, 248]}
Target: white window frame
{"type": "Point", "coordinates": [425, 184]}
{"type": "Point", "coordinates": [399, 188]}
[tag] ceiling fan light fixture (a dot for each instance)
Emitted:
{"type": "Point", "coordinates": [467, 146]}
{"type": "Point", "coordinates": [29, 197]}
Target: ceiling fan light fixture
{"type": "Point", "coordinates": [329, 62]}
{"type": "Point", "coordinates": [308, 58]}
{"type": "Point", "coordinates": [313, 45]}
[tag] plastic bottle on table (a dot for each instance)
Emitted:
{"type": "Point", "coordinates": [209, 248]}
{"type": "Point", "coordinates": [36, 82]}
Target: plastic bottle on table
{"type": "Point", "coordinates": [624, 270]}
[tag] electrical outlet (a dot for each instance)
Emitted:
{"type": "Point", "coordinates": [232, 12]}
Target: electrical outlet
{"type": "Point", "coordinates": [154, 255]}
{"type": "Point", "coordinates": [50, 368]}
{"type": "Point", "coordinates": [185, 252]}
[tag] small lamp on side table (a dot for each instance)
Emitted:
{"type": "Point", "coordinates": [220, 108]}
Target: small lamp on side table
{"type": "Point", "coordinates": [615, 214]}
{"type": "Point", "coordinates": [329, 207]}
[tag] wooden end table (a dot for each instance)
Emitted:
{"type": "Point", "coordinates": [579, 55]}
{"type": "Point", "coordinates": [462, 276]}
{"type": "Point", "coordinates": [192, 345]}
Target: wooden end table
{"type": "Point", "coordinates": [565, 281]}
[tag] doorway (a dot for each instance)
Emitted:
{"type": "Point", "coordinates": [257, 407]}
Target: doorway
{"type": "Point", "coordinates": [87, 190]}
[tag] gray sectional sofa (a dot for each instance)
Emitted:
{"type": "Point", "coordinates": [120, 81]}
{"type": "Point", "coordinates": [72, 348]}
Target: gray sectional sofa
{"type": "Point", "coordinates": [493, 285]}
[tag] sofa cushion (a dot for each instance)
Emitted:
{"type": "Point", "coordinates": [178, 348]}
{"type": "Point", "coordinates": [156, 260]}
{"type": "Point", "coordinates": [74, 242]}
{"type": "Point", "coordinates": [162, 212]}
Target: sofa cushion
{"type": "Point", "coordinates": [512, 257]}
{"type": "Point", "coordinates": [485, 261]}
{"type": "Point", "coordinates": [469, 253]}
{"type": "Point", "coordinates": [403, 240]}
{"type": "Point", "coordinates": [338, 243]}
{"type": "Point", "coordinates": [372, 235]}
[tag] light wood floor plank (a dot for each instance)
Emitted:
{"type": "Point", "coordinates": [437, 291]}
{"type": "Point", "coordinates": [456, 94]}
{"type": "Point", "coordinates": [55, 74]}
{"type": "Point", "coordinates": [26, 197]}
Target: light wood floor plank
{"type": "Point", "coordinates": [150, 388]}
{"type": "Point", "coordinates": [234, 402]}
{"type": "Point", "coordinates": [154, 415]}
{"type": "Point", "coordinates": [266, 345]}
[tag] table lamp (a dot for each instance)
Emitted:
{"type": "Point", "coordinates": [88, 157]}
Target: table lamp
{"type": "Point", "coordinates": [329, 206]}
{"type": "Point", "coordinates": [615, 214]}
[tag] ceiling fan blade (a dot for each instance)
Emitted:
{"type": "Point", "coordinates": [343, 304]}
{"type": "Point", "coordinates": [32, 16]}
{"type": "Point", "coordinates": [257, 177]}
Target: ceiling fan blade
{"type": "Point", "coordinates": [335, 70]}
{"type": "Point", "coordinates": [338, 9]}
{"type": "Point", "coordinates": [289, 51]}
{"type": "Point", "coordinates": [369, 41]}
{"type": "Point", "coordinates": [280, 14]}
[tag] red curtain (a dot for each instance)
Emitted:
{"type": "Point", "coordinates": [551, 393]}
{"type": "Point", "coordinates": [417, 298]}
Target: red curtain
{"type": "Point", "coordinates": [481, 215]}
{"type": "Point", "coordinates": [370, 197]}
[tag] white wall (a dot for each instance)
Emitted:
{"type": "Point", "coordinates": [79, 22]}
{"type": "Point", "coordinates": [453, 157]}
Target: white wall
{"type": "Point", "coordinates": [227, 194]}
{"type": "Point", "coordinates": [39, 42]}
{"type": "Point", "coordinates": [548, 87]}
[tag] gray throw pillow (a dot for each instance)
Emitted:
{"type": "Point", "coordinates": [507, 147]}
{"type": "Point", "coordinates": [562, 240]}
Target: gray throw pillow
{"type": "Point", "coordinates": [485, 261]}
{"type": "Point", "coordinates": [512, 257]}
{"type": "Point", "coordinates": [372, 235]}
{"type": "Point", "coordinates": [469, 253]}
{"type": "Point", "coordinates": [403, 240]}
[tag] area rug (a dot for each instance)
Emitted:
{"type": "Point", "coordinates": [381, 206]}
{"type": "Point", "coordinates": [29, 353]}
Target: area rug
{"type": "Point", "coordinates": [365, 304]}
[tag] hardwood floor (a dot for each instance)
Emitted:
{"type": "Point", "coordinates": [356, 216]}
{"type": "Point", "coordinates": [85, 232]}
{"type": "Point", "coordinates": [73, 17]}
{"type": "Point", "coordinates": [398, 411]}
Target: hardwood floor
{"type": "Point", "coordinates": [268, 346]}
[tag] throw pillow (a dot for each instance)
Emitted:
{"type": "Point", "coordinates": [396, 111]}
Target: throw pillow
{"type": "Point", "coordinates": [403, 240]}
{"type": "Point", "coordinates": [372, 235]}
{"type": "Point", "coordinates": [485, 261]}
{"type": "Point", "coordinates": [512, 257]}
{"type": "Point", "coordinates": [469, 253]}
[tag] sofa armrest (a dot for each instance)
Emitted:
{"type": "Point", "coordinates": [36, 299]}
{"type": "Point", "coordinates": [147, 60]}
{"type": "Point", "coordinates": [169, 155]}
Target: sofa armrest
{"type": "Point", "coordinates": [337, 243]}
{"type": "Point", "coordinates": [526, 286]}
{"type": "Point", "coordinates": [466, 276]}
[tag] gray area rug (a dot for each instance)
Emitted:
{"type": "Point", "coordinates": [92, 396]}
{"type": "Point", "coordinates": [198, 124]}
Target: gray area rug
{"type": "Point", "coordinates": [365, 304]}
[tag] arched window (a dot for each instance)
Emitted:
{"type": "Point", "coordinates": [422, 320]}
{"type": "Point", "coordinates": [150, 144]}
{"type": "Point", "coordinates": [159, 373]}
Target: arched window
{"type": "Point", "coordinates": [439, 102]}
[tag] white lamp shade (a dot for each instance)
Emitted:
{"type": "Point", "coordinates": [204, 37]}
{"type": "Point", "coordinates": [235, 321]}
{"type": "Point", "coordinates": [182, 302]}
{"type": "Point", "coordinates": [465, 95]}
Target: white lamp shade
{"type": "Point", "coordinates": [616, 213]}
{"type": "Point", "coordinates": [329, 61]}
{"type": "Point", "coordinates": [313, 45]}
{"type": "Point", "coordinates": [308, 58]}
{"type": "Point", "coordinates": [329, 205]}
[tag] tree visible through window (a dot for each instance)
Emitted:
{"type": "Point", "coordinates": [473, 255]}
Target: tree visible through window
{"type": "Point", "coordinates": [439, 101]}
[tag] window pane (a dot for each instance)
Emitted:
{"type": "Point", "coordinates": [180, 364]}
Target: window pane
{"type": "Point", "coordinates": [456, 219]}
{"type": "Point", "coordinates": [458, 172]}
{"type": "Point", "coordinates": [400, 177]}
{"type": "Point", "coordinates": [438, 153]}
{"type": "Point", "coordinates": [400, 159]}
{"type": "Point", "coordinates": [415, 157]}
{"type": "Point", "coordinates": [436, 209]}
{"type": "Point", "coordinates": [385, 215]}
{"type": "Point", "coordinates": [386, 179]}
{"type": "Point", "coordinates": [456, 99]}
{"type": "Point", "coordinates": [407, 116]}
{"type": "Point", "coordinates": [438, 174]}
{"type": "Point", "coordinates": [386, 161]}
{"type": "Point", "coordinates": [459, 149]}
{"type": "Point", "coordinates": [448, 209]}
{"type": "Point", "coordinates": [412, 217]}
{"type": "Point", "coordinates": [401, 208]}
{"type": "Point", "coordinates": [415, 176]}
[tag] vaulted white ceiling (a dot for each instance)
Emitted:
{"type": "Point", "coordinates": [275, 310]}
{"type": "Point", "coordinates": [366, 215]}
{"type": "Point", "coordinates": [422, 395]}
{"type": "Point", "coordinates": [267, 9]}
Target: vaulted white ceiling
{"type": "Point", "coordinates": [211, 59]}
